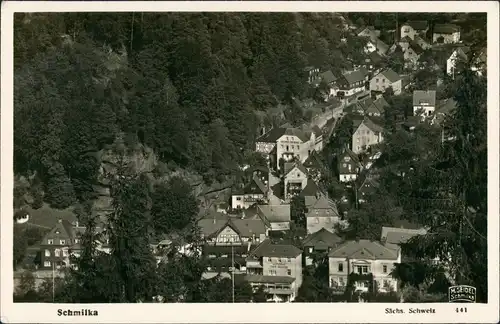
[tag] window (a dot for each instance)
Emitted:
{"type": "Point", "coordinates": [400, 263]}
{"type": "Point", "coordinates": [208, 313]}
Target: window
{"type": "Point", "coordinates": [376, 80]}
{"type": "Point", "coordinates": [56, 252]}
{"type": "Point", "coordinates": [47, 253]}
{"type": "Point", "coordinates": [310, 250]}
{"type": "Point", "coordinates": [272, 272]}
{"type": "Point", "coordinates": [288, 260]}
{"type": "Point", "coordinates": [384, 269]}
{"type": "Point", "coordinates": [341, 281]}
{"type": "Point", "coordinates": [279, 259]}
{"type": "Point", "coordinates": [383, 80]}
{"type": "Point", "coordinates": [298, 175]}
{"type": "Point", "coordinates": [46, 264]}
{"type": "Point", "coordinates": [238, 198]}
{"type": "Point", "coordinates": [406, 30]}
{"type": "Point", "coordinates": [50, 241]}
{"type": "Point", "coordinates": [62, 242]}
{"type": "Point", "coordinates": [341, 267]}
{"type": "Point", "coordinates": [269, 259]}
{"type": "Point", "coordinates": [344, 165]}
{"type": "Point", "coordinates": [365, 269]}
{"type": "Point", "coordinates": [287, 148]}
{"type": "Point", "coordinates": [289, 272]}
{"type": "Point", "coordinates": [65, 253]}
{"type": "Point", "coordinates": [365, 284]}
{"type": "Point", "coordinates": [76, 241]}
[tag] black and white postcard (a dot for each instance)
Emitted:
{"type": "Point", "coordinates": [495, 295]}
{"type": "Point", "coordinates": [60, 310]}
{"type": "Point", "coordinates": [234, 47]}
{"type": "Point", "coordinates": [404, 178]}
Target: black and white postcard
{"type": "Point", "coordinates": [251, 162]}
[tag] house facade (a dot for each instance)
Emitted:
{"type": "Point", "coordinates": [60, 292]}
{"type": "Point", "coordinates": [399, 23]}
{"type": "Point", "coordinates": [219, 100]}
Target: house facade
{"type": "Point", "coordinates": [367, 133]}
{"type": "Point", "coordinates": [351, 83]}
{"type": "Point", "coordinates": [322, 215]}
{"type": "Point", "coordinates": [348, 166]}
{"type": "Point", "coordinates": [446, 34]}
{"type": "Point", "coordinates": [287, 143]}
{"type": "Point", "coordinates": [255, 191]}
{"type": "Point", "coordinates": [59, 243]}
{"type": "Point", "coordinates": [424, 103]}
{"type": "Point", "coordinates": [363, 257]}
{"type": "Point", "coordinates": [277, 267]}
{"type": "Point", "coordinates": [458, 55]}
{"type": "Point", "coordinates": [385, 79]}
{"type": "Point", "coordinates": [295, 179]}
{"type": "Point", "coordinates": [275, 217]}
{"type": "Point", "coordinates": [232, 230]}
{"type": "Point", "coordinates": [414, 28]}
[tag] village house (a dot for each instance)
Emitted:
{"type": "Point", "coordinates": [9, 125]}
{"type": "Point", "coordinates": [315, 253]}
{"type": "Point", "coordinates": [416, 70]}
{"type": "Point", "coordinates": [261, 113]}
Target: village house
{"type": "Point", "coordinates": [57, 245]}
{"type": "Point", "coordinates": [386, 79]}
{"type": "Point", "coordinates": [221, 260]}
{"type": "Point", "coordinates": [351, 83]}
{"type": "Point", "coordinates": [348, 166]}
{"type": "Point", "coordinates": [255, 191]}
{"type": "Point", "coordinates": [366, 133]}
{"type": "Point", "coordinates": [446, 34]}
{"type": "Point", "coordinates": [414, 28]}
{"type": "Point", "coordinates": [374, 44]}
{"type": "Point", "coordinates": [322, 214]}
{"type": "Point", "coordinates": [294, 179]}
{"type": "Point", "coordinates": [63, 241]}
{"type": "Point", "coordinates": [278, 267]}
{"type": "Point", "coordinates": [370, 107]}
{"type": "Point", "coordinates": [412, 54]}
{"type": "Point", "coordinates": [314, 166]}
{"type": "Point", "coordinates": [368, 31]}
{"type": "Point", "coordinates": [458, 55]}
{"type": "Point", "coordinates": [328, 78]}
{"type": "Point", "coordinates": [312, 75]}
{"type": "Point", "coordinates": [320, 242]}
{"type": "Point", "coordinates": [287, 143]}
{"type": "Point", "coordinates": [424, 103]}
{"type": "Point", "coordinates": [363, 257]}
{"type": "Point", "coordinates": [310, 192]}
{"type": "Point", "coordinates": [275, 217]}
{"type": "Point", "coordinates": [232, 230]}
{"type": "Point", "coordinates": [374, 62]}
{"type": "Point", "coordinates": [366, 185]}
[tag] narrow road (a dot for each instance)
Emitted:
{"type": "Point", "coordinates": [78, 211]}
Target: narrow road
{"type": "Point", "coordinates": [322, 119]}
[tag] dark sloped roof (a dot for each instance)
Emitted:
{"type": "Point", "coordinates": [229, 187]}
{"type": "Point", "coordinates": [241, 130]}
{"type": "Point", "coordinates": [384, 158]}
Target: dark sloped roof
{"type": "Point", "coordinates": [364, 249]}
{"type": "Point", "coordinates": [299, 166]}
{"type": "Point", "coordinates": [255, 187]}
{"type": "Point", "coordinates": [381, 104]}
{"type": "Point", "coordinates": [371, 124]}
{"type": "Point", "coordinates": [312, 161]}
{"type": "Point", "coordinates": [406, 39]}
{"type": "Point", "coordinates": [375, 57]}
{"type": "Point", "coordinates": [352, 160]}
{"type": "Point", "coordinates": [418, 24]}
{"type": "Point", "coordinates": [311, 189]}
{"type": "Point", "coordinates": [428, 96]}
{"type": "Point", "coordinates": [322, 237]}
{"type": "Point", "coordinates": [445, 29]}
{"type": "Point", "coordinates": [354, 76]}
{"type": "Point", "coordinates": [328, 76]}
{"type": "Point", "coordinates": [416, 48]}
{"type": "Point", "coordinates": [391, 75]}
{"type": "Point", "coordinates": [268, 249]}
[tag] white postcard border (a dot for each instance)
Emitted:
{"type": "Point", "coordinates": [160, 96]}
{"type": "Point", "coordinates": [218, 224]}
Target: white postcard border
{"type": "Point", "coordinates": [247, 313]}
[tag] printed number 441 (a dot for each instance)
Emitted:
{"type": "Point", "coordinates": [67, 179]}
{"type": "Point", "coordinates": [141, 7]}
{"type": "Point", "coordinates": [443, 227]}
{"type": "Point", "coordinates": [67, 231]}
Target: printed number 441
{"type": "Point", "coordinates": [461, 310]}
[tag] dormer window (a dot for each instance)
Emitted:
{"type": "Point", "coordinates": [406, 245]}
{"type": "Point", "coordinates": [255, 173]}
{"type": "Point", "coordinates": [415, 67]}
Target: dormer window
{"type": "Point", "coordinates": [62, 242]}
{"type": "Point", "coordinates": [50, 241]}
